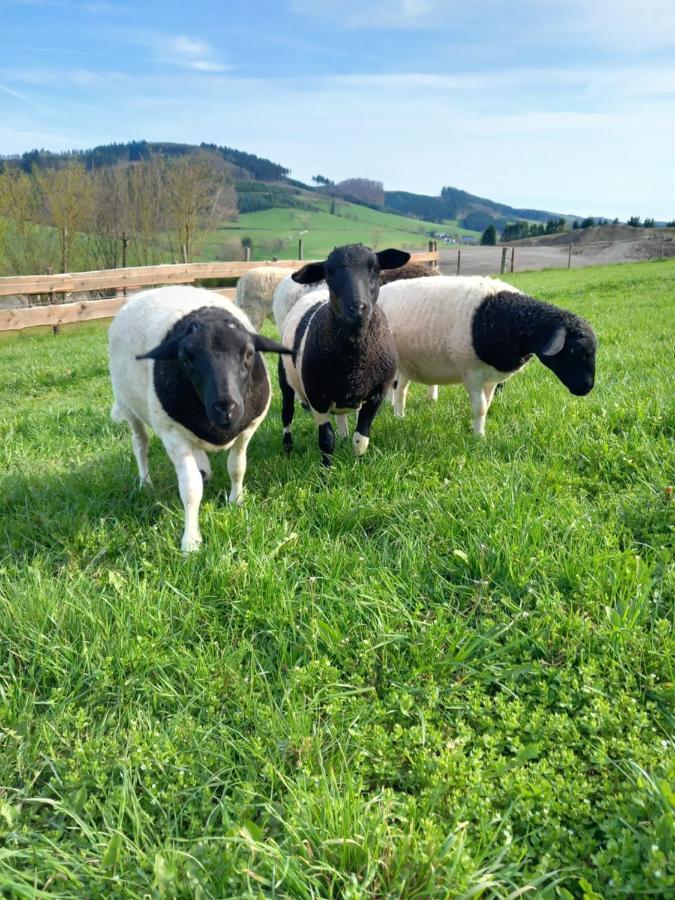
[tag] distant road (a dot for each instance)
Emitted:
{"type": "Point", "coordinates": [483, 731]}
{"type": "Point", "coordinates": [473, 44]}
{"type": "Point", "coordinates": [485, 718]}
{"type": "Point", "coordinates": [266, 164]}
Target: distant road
{"type": "Point", "coordinates": [487, 260]}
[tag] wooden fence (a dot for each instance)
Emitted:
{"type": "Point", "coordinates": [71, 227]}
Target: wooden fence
{"type": "Point", "coordinates": [130, 280]}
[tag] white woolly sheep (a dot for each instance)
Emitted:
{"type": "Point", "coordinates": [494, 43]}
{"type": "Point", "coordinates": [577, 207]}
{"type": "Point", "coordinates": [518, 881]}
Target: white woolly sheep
{"type": "Point", "coordinates": [479, 331]}
{"type": "Point", "coordinates": [185, 362]}
{"type": "Point", "coordinates": [287, 293]}
{"type": "Point", "coordinates": [255, 290]}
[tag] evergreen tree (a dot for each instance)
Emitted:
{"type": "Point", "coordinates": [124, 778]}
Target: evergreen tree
{"type": "Point", "coordinates": [489, 236]}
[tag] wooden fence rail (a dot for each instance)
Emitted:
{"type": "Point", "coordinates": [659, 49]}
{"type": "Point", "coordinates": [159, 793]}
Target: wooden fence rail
{"type": "Point", "coordinates": [120, 279]}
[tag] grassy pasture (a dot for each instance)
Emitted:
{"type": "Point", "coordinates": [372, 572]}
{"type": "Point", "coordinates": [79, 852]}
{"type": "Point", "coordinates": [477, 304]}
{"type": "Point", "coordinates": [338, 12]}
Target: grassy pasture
{"type": "Point", "coordinates": [444, 671]}
{"type": "Point", "coordinates": [322, 231]}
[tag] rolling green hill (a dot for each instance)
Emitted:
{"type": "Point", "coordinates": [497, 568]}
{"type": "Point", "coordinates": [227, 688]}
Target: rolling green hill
{"type": "Point", "coordinates": [275, 232]}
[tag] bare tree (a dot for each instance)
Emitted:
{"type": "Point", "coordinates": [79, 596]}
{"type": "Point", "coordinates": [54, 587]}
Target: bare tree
{"type": "Point", "coordinates": [111, 216]}
{"type": "Point", "coordinates": [199, 192]}
{"type": "Point", "coordinates": [69, 201]}
{"type": "Point", "coordinates": [26, 246]}
{"type": "Point", "coordinates": [147, 201]}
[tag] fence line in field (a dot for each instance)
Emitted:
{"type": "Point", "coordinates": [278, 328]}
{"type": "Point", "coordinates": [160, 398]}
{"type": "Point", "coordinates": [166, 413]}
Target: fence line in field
{"type": "Point", "coordinates": [130, 279]}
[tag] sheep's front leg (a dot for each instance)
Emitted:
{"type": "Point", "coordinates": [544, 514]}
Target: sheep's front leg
{"type": "Point", "coordinates": [480, 395]}
{"type": "Point", "coordinates": [326, 437]}
{"type": "Point", "coordinates": [400, 393]}
{"type": "Point", "coordinates": [287, 407]}
{"type": "Point", "coordinates": [236, 466]}
{"type": "Point", "coordinates": [433, 392]}
{"type": "Point", "coordinates": [365, 420]}
{"type": "Point", "coordinates": [191, 488]}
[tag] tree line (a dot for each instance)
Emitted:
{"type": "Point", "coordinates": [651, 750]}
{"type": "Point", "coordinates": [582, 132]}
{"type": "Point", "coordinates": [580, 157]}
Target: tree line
{"type": "Point", "coordinates": [70, 218]}
{"type": "Point", "coordinates": [516, 231]}
{"type": "Point", "coordinates": [137, 151]}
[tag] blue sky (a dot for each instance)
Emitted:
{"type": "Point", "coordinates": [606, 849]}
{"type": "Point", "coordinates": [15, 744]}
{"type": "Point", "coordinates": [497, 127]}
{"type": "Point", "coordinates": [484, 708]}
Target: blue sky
{"type": "Point", "coordinates": [566, 106]}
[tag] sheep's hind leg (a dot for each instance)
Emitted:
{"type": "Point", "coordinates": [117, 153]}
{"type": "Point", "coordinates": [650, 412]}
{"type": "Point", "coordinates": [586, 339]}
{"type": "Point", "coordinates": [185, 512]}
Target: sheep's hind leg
{"type": "Point", "coordinates": [204, 464]}
{"type": "Point", "coordinates": [191, 489]}
{"type": "Point", "coordinates": [400, 394]}
{"type": "Point", "coordinates": [342, 425]}
{"type": "Point", "coordinates": [139, 443]}
{"type": "Point", "coordinates": [365, 420]}
{"type": "Point", "coordinates": [432, 393]}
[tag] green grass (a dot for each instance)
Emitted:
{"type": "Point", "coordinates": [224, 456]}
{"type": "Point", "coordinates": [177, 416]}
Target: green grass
{"type": "Point", "coordinates": [275, 232]}
{"type": "Point", "coordinates": [444, 671]}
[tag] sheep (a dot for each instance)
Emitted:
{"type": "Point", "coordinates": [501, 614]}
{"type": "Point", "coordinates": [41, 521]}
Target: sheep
{"type": "Point", "coordinates": [255, 290]}
{"type": "Point", "coordinates": [287, 293]}
{"type": "Point", "coordinates": [411, 270]}
{"type": "Point", "coordinates": [201, 384]}
{"type": "Point", "coordinates": [480, 331]}
{"type": "Point", "coordinates": [343, 352]}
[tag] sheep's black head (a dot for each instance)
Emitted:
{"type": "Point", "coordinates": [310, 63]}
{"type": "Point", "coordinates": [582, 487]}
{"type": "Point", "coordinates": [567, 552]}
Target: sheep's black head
{"type": "Point", "coordinates": [217, 354]}
{"type": "Point", "coordinates": [352, 273]}
{"type": "Point", "coordinates": [569, 351]}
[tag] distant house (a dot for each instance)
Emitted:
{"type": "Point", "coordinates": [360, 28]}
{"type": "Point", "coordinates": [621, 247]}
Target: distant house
{"type": "Point", "coordinates": [469, 239]}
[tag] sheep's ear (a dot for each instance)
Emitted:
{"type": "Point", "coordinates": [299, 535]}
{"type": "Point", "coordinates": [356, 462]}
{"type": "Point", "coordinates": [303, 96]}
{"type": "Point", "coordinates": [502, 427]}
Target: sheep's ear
{"type": "Point", "coordinates": [169, 349]}
{"type": "Point", "coordinates": [555, 341]}
{"type": "Point", "coordinates": [263, 343]}
{"type": "Point", "coordinates": [392, 259]}
{"type": "Point", "coordinates": [310, 274]}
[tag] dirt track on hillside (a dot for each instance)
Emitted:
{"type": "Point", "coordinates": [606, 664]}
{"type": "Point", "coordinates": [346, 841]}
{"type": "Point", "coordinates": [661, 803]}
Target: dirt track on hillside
{"type": "Point", "coordinates": [554, 252]}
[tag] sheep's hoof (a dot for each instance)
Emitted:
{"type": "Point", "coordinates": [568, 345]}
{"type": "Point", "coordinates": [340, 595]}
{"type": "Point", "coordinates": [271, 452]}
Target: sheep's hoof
{"type": "Point", "coordinates": [360, 443]}
{"type": "Point", "coordinates": [288, 442]}
{"type": "Point", "coordinates": [145, 482]}
{"type": "Point", "coordinates": [191, 545]}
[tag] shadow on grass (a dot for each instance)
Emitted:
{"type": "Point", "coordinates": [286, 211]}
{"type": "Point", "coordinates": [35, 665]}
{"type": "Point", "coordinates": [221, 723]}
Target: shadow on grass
{"type": "Point", "coordinates": [90, 508]}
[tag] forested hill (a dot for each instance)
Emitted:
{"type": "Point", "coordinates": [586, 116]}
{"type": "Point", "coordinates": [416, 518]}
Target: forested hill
{"type": "Point", "coordinates": [135, 151]}
{"type": "Point", "coordinates": [471, 211]}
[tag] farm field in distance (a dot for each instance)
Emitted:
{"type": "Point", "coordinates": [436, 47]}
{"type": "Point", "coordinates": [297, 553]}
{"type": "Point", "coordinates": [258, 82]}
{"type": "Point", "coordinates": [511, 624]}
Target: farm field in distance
{"type": "Point", "coordinates": [275, 232]}
{"type": "Point", "coordinates": [443, 671]}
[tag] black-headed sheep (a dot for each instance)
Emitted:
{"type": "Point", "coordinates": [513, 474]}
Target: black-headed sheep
{"type": "Point", "coordinates": [187, 363]}
{"type": "Point", "coordinates": [480, 331]}
{"type": "Point", "coordinates": [344, 357]}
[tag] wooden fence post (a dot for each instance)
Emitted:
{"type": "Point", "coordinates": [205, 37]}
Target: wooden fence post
{"type": "Point", "coordinates": [459, 259]}
{"type": "Point", "coordinates": [125, 245]}
{"type": "Point", "coordinates": [55, 328]}
{"type": "Point", "coordinates": [663, 246]}
{"type": "Point", "coordinates": [513, 257]}
{"type": "Point", "coordinates": [300, 249]}
{"type": "Point", "coordinates": [569, 256]}
{"type": "Point", "coordinates": [501, 271]}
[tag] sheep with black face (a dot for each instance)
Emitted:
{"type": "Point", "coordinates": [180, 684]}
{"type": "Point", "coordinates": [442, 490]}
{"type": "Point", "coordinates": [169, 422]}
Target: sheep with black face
{"type": "Point", "coordinates": [187, 363]}
{"type": "Point", "coordinates": [480, 331]}
{"type": "Point", "coordinates": [344, 357]}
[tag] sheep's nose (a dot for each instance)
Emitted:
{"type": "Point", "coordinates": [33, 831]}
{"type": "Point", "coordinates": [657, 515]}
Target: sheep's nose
{"type": "Point", "coordinates": [224, 409]}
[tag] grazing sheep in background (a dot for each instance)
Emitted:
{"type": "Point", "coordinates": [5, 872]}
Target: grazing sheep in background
{"type": "Point", "coordinates": [287, 293]}
{"type": "Point", "coordinates": [201, 385]}
{"type": "Point", "coordinates": [255, 290]}
{"type": "Point", "coordinates": [480, 331]}
{"type": "Point", "coordinates": [411, 270]}
{"type": "Point", "coordinates": [344, 356]}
